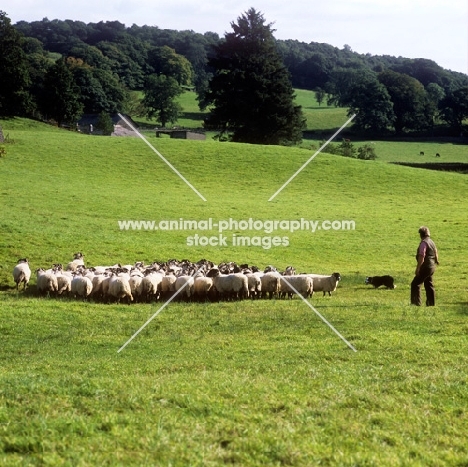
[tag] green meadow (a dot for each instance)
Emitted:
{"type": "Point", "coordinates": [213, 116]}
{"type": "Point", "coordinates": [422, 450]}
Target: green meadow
{"type": "Point", "coordinates": [248, 383]}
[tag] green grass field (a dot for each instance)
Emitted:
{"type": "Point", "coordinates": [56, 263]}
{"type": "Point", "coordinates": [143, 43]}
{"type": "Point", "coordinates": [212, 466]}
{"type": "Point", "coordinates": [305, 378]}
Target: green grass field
{"type": "Point", "coordinates": [322, 119]}
{"type": "Point", "coordinates": [244, 383]}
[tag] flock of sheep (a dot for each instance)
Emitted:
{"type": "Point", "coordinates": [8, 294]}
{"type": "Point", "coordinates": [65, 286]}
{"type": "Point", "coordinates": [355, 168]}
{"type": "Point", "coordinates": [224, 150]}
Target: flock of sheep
{"type": "Point", "coordinates": [184, 279]}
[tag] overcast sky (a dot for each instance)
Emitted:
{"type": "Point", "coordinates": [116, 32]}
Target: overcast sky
{"type": "Point", "coordinates": [433, 29]}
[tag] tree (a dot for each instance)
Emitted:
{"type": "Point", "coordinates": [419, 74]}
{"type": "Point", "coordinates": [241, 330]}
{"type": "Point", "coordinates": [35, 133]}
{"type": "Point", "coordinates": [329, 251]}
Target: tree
{"type": "Point", "coordinates": [319, 95]}
{"type": "Point", "coordinates": [341, 84]}
{"type": "Point", "coordinates": [410, 103]}
{"type": "Point", "coordinates": [435, 94]}
{"type": "Point", "coordinates": [454, 109]}
{"type": "Point", "coordinates": [159, 101]}
{"type": "Point", "coordinates": [165, 61]}
{"type": "Point", "coordinates": [365, 96]}
{"type": "Point", "coordinates": [100, 90]}
{"type": "Point", "coordinates": [104, 124]}
{"type": "Point", "coordinates": [60, 98]}
{"type": "Point", "coordinates": [132, 104]}
{"type": "Point", "coordinates": [250, 95]}
{"type": "Point", "coordinates": [14, 73]}
{"type": "Point", "coordinates": [371, 103]}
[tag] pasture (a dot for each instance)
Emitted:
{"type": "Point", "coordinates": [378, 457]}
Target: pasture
{"type": "Point", "coordinates": [250, 382]}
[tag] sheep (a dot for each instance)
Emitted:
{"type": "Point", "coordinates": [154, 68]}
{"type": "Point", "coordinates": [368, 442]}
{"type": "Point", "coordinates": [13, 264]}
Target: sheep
{"type": "Point", "coordinates": [77, 261]}
{"type": "Point", "coordinates": [97, 282]}
{"type": "Point", "coordinates": [202, 287]}
{"type": "Point", "coordinates": [151, 285]}
{"type": "Point", "coordinates": [105, 284]}
{"type": "Point", "coordinates": [119, 287]}
{"type": "Point", "coordinates": [104, 269]}
{"type": "Point", "coordinates": [325, 283]}
{"type": "Point", "coordinates": [254, 284]}
{"type": "Point", "coordinates": [168, 284]}
{"type": "Point", "coordinates": [234, 285]}
{"type": "Point", "coordinates": [63, 283]}
{"type": "Point", "coordinates": [81, 286]}
{"type": "Point", "coordinates": [303, 283]}
{"type": "Point", "coordinates": [270, 284]}
{"type": "Point", "coordinates": [46, 281]}
{"type": "Point", "coordinates": [64, 279]}
{"type": "Point", "coordinates": [136, 283]}
{"type": "Point", "coordinates": [187, 283]}
{"type": "Point", "coordinates": [22, 273]}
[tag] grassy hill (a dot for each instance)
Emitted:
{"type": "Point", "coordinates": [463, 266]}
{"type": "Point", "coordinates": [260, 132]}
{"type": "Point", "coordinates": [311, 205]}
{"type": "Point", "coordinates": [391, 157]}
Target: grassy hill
{"type": "Point", "coordinates": [249, 383]}
{"type": "Point", "coordinates": [324, 120]}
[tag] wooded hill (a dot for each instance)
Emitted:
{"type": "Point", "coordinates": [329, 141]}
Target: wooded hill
{"type": "Point", "coordinates": [124, 50]}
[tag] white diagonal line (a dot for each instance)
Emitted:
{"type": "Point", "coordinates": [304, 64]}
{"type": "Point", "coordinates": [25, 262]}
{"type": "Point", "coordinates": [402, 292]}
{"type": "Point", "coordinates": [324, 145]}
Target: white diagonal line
{"type": "Point", "coordinates": [319, 315]}
{"type": "Point", "coordinates": [156, 313]}
{"type": "Point", "coordinates": [316, 153]}
{"type": "Point", "coordinates": [162, 157]}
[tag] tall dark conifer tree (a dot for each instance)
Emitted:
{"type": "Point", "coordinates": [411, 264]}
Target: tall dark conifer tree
{"type": "Point", "coordinates": [250, 96]}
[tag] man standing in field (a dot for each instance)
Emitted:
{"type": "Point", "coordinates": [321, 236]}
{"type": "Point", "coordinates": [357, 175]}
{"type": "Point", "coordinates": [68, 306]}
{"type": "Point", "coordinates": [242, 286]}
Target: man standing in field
{"type": "Point", "coordinates": [427, 258]}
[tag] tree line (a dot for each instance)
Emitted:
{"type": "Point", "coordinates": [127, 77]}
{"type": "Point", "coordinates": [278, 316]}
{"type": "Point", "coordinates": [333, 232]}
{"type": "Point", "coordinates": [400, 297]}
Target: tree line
{"type": "Point", "coordinates": [62, 69]}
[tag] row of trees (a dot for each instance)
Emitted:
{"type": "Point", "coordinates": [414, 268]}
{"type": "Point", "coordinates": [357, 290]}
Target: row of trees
{"type": "Point", "coordinates": [393, 100]}
{"type": "Point", "coordinates": [249, 94]}
{"type": "Point", "coordinates": [37, 82]}
{"type": "Point", "coordinates": [61, 69]}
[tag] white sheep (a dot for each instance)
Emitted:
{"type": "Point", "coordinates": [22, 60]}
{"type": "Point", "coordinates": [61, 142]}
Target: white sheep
{"type": "Point", "coordinates": [202, 286]}
{"type": "Point", "coordinates": [186, 282]}
{"type": "Point", "coordinates": [151, 285]}
{"type": "Point", "coordinates": [77, 261]}
{"type": "Point", "coordinates": [81, 286]}
{"type": "Point", "coordinates": [97, 282]}
{"type": "Point", "coordinates": [230, 286]}
{"type": "Point", "coordinates": [136, 283]}
{"type": "Point", "coordinates": [104, 269]}
{"type": "Point", "coordinates": [22, 273]}
{"type": "Point", "coordinates": [168, 284]}
{"type": "Point", "coordinates": [63, 283]}
{"type": "Point", "coordinates": [302, 283]}
{"type": "Point", "coordinates": [46, 281]}
{"type": "Point", "coordinates": [105, 284]}
{"type": "Point", "coordinates": [325, 283]}
{"type": "Point", "coordinates": [254, 283]}
{"type": "Point", "coordinates": [119, 287]}
{"type": "Point", "coordinates": [270, 284]}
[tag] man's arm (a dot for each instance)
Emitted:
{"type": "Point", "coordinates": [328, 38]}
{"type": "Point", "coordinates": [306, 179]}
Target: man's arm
{"type": "Point", "coordinates": [420, 262]}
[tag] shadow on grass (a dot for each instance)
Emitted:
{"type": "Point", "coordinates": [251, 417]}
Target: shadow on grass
{"type": "Point", "coordinates": [459, 167]}
{"type": "Point", "coordinates": [463, 308]}
{"type": "Point", "coordinates": [317, 107]}
{"type": "Point", "coordinates": [193, 115]}
{"type": "Point", "coordinates": [324, 134]}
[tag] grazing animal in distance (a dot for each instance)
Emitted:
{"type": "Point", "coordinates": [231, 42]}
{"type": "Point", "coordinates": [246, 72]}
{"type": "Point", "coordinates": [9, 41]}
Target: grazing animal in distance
{"type": "Point", "coordinates": [437, 155]}
{"type": "Point", "coordinates": [378, 281]}
{"type": "Point", "coordinates": [421, 153]}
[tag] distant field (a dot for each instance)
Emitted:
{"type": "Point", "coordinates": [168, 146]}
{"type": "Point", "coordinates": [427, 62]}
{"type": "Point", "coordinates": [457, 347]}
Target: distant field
{"type": "Point", "coordinates": [318, 117]}
{"type": "Point", "coordinates": [249, 383]}
{"type": "Point", "coordinates": [324, 120]}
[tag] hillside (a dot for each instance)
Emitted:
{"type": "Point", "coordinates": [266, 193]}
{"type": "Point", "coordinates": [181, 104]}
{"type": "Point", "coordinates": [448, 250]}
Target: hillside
{"type": "Point", "coordinates": [253, 382]}
{"type": "Point", "coordinates": [84, 185]}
